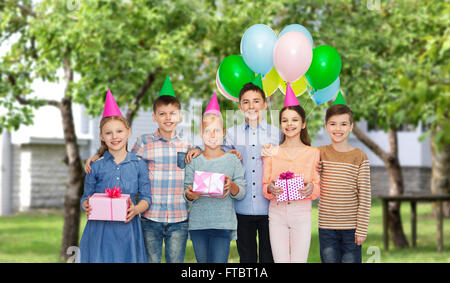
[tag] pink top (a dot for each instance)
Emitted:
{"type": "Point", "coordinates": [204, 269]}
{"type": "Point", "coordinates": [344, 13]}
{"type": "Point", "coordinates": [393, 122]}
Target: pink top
{"type": "Point", "coordinates": [304, 161]}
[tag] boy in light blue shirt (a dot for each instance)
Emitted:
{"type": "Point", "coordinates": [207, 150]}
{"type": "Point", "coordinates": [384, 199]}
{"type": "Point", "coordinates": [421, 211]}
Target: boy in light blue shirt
{"type": "Point", "coordinates": [248, 139]}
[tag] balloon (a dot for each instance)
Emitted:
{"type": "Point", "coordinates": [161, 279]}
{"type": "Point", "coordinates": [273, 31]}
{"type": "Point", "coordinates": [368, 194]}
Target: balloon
{"type": "Point", "coordinates": [325, 67]}
{"type": "Point", "coordinates": [299, 28]}
{"type": "Point", "coordinates": [257, 48]}
{"type": "Point", "coordinates": [234, 74]}
{"type": "Point", "coordinates": [292, 55]}
{"type": "Point", "coordinates": [326, 94]}
{"type": "Point", "coordinates": [222, 90]}
{"type": "Point", "coordinates": [299, 86]}
{"type": "Point", "coordinates": [271, 82]}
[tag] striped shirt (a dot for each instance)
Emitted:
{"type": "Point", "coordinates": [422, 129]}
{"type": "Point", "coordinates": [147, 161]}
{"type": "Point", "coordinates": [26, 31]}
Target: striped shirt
{"type": "Point", "coordinates": [345, 196]}
{"type": "Point", "coordinates": [166, 178]}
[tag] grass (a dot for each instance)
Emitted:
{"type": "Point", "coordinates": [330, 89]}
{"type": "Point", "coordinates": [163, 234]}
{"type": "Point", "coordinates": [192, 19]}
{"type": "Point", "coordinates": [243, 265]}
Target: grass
{"type": "Point", "coordinates": [36, 237]}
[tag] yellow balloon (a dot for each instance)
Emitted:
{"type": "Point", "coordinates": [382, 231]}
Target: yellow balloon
{"type": "Point", "coordinates": [271, 82]}
{"type": "Point", "coordinates": [299, 86]}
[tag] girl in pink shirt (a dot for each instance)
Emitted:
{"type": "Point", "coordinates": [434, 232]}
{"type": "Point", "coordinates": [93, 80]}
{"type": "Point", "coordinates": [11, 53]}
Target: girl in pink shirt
{"type": "Point", "coordinates": [290, 221]}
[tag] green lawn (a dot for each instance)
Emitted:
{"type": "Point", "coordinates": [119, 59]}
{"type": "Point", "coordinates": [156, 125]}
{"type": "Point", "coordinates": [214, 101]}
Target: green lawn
{"type": "Point", "coordinates": [36, 237]}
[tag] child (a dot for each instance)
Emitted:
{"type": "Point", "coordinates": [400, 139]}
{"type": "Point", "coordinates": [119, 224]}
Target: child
{"type": "Point", "coordinates": [290, 221]}
{"type": "Point", "coordinates": [248, 138]}
{"type": "Point", "coordinates": [164, 151]}
{"type": "Point", "coordinates": [113, 241]}
{"type": "Point", "coordinates": [344, 205]}
{"type": "Point", "coordinates": [212, 220]}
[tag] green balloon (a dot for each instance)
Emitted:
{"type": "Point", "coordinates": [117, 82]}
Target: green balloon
{"type": "Point", "coordinates": [234, 74]}
{"type": "Point", "coordinates": [325, 67]}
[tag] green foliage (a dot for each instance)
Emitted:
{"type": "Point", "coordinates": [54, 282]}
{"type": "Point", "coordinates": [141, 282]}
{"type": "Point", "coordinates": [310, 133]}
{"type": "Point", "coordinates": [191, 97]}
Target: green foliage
{"type": "Point", "coordinates": [395, 59]}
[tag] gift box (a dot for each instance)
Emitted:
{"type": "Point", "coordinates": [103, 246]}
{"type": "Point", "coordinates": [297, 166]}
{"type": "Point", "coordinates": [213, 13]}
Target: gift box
{"type": "Point", "coordinates": [291, 184]}
{"type": "Point", "coordinates": [110, 206]}
{"type": "Point", "coordinates": [208, 183]}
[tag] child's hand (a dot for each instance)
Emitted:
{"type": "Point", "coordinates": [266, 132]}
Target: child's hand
{"type": "Point", "coordinates": [235, 152]}
{"type": "Point", "coordinates": [359, 240]}
{"type": "Point", "coordinates": [229, 187]}
{"type": "Point", "coordinates": [307, 190]}
{"type": "Point", "coordinates": [193, 153]}
{"type": "Point", "coordinates": [191, 195]}
{"type": "Point", "coordinates": [276, 191]}
{"type": "Point", "coordinates": [132, 211]}
{"type": "Point", "coordinates": [226, 187]}
{"type": "Point", "coordinates": [268, 150]}
{"type": "Point", "coordinates": [87, 165]}
{"type": "Point", "coordinates": [87, 207]}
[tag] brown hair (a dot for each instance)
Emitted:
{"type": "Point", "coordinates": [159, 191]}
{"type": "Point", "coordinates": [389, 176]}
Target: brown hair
{"type": "Point", "coordinates": [105, 120]}
{"type": "Point", "coordinates": [166, 100]}
{"type": "Point", "coordinates": [304, 137]}
{"type": "Point", "coordinates": [339, 109]}
{"type": "Point", "coordinates": [249, 87]}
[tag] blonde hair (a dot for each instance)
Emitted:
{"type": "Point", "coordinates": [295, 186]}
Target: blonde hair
{"type": "Point", "coordinates": [105, 120]}
{"type": "Point", "coordinates": [209, 118]}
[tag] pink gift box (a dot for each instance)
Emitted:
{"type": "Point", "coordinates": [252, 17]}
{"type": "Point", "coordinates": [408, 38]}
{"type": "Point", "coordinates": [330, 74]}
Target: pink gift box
{"type": "Point", "coordinates": [208, 183]}
{"type": "Point", "coordinates": [106, 208]}
{"type": "Point", "coordinates": [291, 184]}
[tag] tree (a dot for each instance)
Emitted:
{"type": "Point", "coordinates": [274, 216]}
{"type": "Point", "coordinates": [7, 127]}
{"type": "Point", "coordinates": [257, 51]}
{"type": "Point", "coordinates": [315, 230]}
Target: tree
{"type": "Point", "coordinates": [428, 98]}
{"type": "Point", "coordinates": [96, 43]}
{"type": "Point", "coordinates": [380, 74]}
{"type": "Point", "coordinates": [127, 46]}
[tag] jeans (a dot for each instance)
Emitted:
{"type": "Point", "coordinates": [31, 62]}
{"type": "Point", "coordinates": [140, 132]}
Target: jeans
{"type": "Point", "coordinates": [338, 246]}
{"type": "Point", "coordinates": [211, 245]}
{"type": "Point", "coordinates": [175, 238]}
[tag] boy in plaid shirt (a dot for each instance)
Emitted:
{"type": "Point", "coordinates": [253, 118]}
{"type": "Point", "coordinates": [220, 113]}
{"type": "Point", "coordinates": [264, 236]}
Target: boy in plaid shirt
{"type": "Point", "coordinates": [164, 151]}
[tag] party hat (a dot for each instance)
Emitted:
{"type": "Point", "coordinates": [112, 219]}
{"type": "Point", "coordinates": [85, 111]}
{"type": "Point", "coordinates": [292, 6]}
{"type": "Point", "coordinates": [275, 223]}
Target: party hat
{"type": "Point", "coordinates": [213, 106]}
{"type": "Point", "coordinates": [111, 108]}
{"type": "Point", "coordinates": [339, 99]}
{"type": "Point", "coordinates": [167, 88]}
{"type": "Point", "coordinates": [290, 99]}
{"type": "Point", "coordinates": [258, 81]}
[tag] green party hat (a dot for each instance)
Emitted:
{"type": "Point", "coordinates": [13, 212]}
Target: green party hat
{"type": "Point", "coordinates": [339, 99]}
{"type": "Point", "coordinates": [167, 88]}
{"type": "Point", "coordinates": [258, 81]}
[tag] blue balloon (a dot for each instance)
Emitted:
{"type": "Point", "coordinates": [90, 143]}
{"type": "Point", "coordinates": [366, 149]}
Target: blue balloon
{"type": "Point", "coordinates": [325, 94]}
{"type": "Point", "coordinates": [257, 45]}
{"type": "Point", "coordinates": [299, 28]}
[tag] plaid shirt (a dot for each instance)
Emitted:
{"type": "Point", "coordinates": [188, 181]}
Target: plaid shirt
{"type": "Point", "coordinates": [167, 180]}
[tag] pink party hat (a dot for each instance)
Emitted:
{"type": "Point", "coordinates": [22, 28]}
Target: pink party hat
{"type": "Point", "coordinates": [290, 99]}
{"type": "Point", "coordinates": [213, 106]}
{"type": "Point", "coordinates": [111, 108]}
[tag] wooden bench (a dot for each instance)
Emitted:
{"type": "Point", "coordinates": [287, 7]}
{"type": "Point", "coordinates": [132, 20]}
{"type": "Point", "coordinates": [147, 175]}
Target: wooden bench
{"type": "Point", "coordinates": [413, 199]}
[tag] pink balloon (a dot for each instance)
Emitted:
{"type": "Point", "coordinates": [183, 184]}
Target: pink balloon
{"type": "Point", "coordinates": [292, 55]}
{"type": "Point", "coordinates": [222, 90]}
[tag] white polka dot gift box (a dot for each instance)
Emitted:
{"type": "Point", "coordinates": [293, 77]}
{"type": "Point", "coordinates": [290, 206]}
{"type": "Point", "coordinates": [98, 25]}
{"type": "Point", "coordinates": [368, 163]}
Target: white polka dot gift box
{"type": "Point", "coordinates": [291, 185]}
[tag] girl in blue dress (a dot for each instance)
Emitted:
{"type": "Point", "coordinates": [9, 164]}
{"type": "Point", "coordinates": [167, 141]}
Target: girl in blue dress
{"type": "Point", "coordinates": [116, 241]}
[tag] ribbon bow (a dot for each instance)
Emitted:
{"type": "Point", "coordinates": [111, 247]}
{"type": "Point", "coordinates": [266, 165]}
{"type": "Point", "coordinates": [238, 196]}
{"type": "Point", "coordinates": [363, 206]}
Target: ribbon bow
{"type": "Point", "coordinates": [116, 192]}
{"type": "Point", "coordinates": [287, 175]}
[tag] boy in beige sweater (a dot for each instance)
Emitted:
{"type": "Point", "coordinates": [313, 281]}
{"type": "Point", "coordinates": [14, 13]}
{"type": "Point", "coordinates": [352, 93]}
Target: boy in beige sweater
{"type": "Point", "coordinates": [345, 197]}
